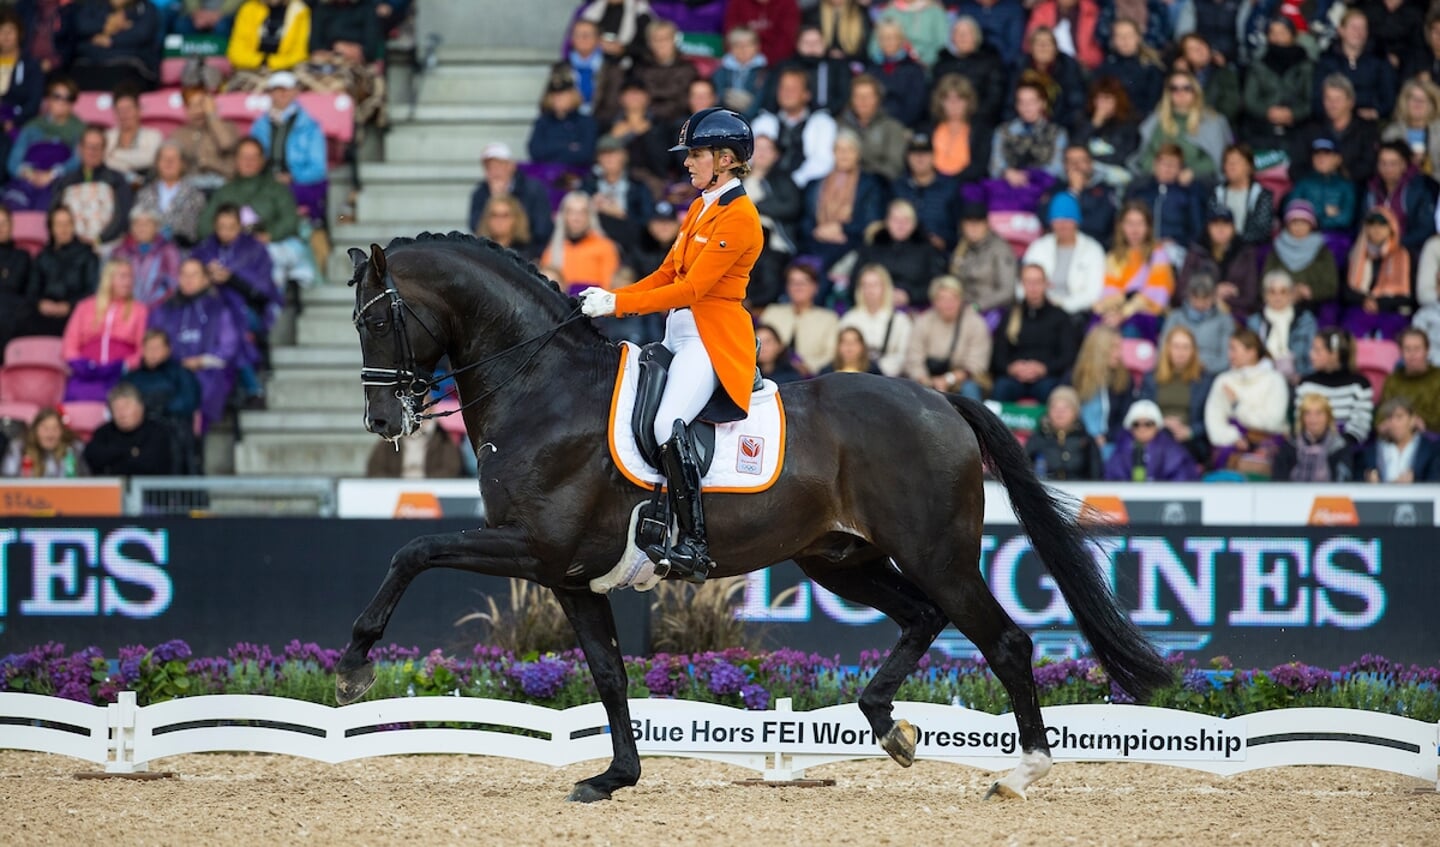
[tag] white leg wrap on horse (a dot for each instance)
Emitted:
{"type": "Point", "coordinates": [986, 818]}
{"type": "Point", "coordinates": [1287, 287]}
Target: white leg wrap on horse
{"type": "Point", "coordinates": [1033, 765]}
{"type": "Point", "coordinates": [692, 380]}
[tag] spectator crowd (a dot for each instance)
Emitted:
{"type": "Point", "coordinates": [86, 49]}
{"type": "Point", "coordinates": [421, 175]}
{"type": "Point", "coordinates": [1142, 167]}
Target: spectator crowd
{"type": "Point", "coordinates": [166, 253]}
{"type": "Point", "coordinates": [1195, 235]}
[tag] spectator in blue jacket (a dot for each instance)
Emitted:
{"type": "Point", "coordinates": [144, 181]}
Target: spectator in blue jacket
{"type": "Point", "coordinates": [740, 79]}
{"type": "Point", "coordinates": [562, 135]}
{"type": "Point", "coordinates": [1178, 209]}
{"type": "Point", "coordinates": [624, 204]}
{"type": "Point", "coordinates": [117, 42]}
{"type": "Point", "coordinates": [1153, 25]}
{"type": "Point", "coordinates": [294, 145]}
{"type": "Point", "coordinates": [935, 196]}
{"type": "Point", "coordinates": [1135, 67]}
{"type": "Point", "coordinates": [903, 78]}
{"type": "Point", "coordinates": [1003, 24]}
{"type": "Point", "coordinates": [503, 178]}
{"type": "Point", "coordinates": [21, 100]}
{"type": "Point", "coordinates": [1350, 56]}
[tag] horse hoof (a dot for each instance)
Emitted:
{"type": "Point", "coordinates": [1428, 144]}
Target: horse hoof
{"type": "Point", "coordinates": [1004, 792]}
{"type": "Point", "coordinates": [352, 685]}
{"type": "Point", "coordinates": [900, 741]}
{"type": "Point", "coordinates": [584, 792]}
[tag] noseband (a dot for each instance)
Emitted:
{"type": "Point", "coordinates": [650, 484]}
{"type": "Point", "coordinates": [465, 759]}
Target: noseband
{"type": "Point", "coordinates": [413, 388]}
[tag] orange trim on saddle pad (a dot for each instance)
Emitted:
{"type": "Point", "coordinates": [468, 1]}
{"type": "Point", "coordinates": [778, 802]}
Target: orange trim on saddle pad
{"type": "Point", "coordinates": [721, 433]}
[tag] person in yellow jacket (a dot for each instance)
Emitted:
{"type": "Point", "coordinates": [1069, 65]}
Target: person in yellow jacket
{"type": "Point", "coordinates": [270, 35]}
{"type": "Point", "coordinates": [702, 284]}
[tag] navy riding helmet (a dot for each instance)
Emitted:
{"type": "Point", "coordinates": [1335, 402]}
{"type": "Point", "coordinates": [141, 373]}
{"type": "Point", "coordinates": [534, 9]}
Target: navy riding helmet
{"type": "Point", "coordinates": [716, 127]}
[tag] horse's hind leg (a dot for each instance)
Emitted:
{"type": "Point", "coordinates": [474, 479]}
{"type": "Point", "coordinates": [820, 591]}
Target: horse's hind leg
{"type": "Point", "coordinates": [879, 586]}
{"type": "Point", "coordinates": [963, 594]}
{"type": "Point", "coordinates": [594, 621]}
{"type": "Point", "coordinates": [495, 552]}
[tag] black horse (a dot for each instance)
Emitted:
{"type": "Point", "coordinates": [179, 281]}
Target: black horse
{"type": "Point", "coordinates": [880, 501]}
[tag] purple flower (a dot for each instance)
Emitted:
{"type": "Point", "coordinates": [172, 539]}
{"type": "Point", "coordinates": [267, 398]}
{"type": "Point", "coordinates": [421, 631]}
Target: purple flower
{"type": "Point", "coordinates": [171, 651]}
{"type": "Point", "coordinates": [755, 697]}
{"type": "Point", "coordinates": [659, 681]}
{"type": "Point", "coordinates": [1197, 682]}
{"type": "Point", "coordinates": [542, 678]}
{"type": "Point", "coordinates": [725, 679]}
{"type": "Point", "coordinates": [1300, 678]}
{"type": "Point", "coordinates": [1119, 695]}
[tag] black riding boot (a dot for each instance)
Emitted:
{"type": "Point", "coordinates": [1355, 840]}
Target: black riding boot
{"type": "Point", "coordinates": [690, 557]}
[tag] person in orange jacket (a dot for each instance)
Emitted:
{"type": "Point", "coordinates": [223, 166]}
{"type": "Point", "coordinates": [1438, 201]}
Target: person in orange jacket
{"type": "Point", "coordinates": [702, 283]}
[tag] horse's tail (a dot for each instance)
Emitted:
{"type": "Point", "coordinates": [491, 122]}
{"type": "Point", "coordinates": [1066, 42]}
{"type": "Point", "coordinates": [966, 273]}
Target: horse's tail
{"type": "Point", "coordinates": [1118, 643]}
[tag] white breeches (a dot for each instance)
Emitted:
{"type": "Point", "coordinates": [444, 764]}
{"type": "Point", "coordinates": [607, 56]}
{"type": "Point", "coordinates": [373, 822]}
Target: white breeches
{"type": "Point", "coordinates": [692, 379]}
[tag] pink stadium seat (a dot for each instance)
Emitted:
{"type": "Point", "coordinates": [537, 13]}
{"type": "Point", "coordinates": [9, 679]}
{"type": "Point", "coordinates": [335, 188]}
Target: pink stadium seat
{"type": "Point", "coordinates": [41, 384]}
{"type": "Point", "coordinates": [172, 69]}
{"type": "Point", "coordinates": [1376, 359]}
{"type": "Point", "coordinates": [35, 350]}
{"type": "Point", "coordinates": [1277, 180]}
{"type": "Point", "coordinates": [85, 416]}
{"type": "Point", "coordinates": [1138, 356]}
{"type": "Point", "coordinates": [452, 425]}
{"type": "Point", "coordinates": [28, 230]}
{"type": "Point", "coordinates": [334, 112]}
{"type": "Point", "coordinates": [16, 410]}
{"type": "Point", "coordinates": [96, 107]}
{"type": "Point", "coordinates": [164, 110]}
{"type": "Point", "coordinates": [241, 109]}
{"type": "Point", "coordinates": [1017, 228]}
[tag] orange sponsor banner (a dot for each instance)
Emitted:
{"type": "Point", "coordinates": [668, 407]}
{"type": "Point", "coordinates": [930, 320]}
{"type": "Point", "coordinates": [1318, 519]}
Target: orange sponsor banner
{"type": "Point", "coordinates": [1104, 509]}
{"type": "Point", "coordinates": [96, 499]}
{"type": "Point", "coordinates": [1334, 511]}
{"type": "Point", "coordinates": [418, 504]}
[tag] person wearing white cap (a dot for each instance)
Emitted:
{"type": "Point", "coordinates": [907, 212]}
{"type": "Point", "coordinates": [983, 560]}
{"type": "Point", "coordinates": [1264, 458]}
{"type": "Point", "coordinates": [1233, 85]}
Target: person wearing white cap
{"type": "Point", "coordinates": [1147, 452]}
{"type": "Point", "coordinates": [502, 177]}
{"type": "Point", "coordinates": [294, 145]}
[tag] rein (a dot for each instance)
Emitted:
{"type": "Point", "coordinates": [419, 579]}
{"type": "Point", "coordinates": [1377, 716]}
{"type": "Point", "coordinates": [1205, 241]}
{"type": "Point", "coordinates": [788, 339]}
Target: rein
{"type": "Point", "coordinates": [406, 378]}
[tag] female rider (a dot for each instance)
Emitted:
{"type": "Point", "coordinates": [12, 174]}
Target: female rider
{"type": "Point", "coordinates": [702, 283]}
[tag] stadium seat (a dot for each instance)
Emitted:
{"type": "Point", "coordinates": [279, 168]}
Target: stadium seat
{"type": "Point", "coordinates": [85, 416]}
{"type": "Point", "coordinates": [241, 109]}
{"type": "Point", "coordinates": [96, 107]}
{"type": "Point", "coordinates": [17, 412]}
{"type": "Point", "coordinates": [1138, 356]}
{"type": "Point", "coordinates": [334, 112]}
{"type": "Point", "coordinates": [164, 110]}
{"type": "Point", "coordinates": [1376, 359]}
{"type": "Point", "coordinates": [35, 349]}
{"type": "Point", "coordinates": [172, 69]}
{"type": "Point", "coordinates": [33, 382]}
{"type": "Point", "coordinates": [29, 231]}
{"type": "Point", "coordinates": [452, 425]}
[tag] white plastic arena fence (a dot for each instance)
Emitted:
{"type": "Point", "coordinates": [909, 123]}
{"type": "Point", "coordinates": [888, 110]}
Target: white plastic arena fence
{"type": "Point", "coordinates": [778, 743]}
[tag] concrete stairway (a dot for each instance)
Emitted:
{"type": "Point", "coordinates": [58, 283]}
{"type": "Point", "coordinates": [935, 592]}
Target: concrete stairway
{"type": "Point", "coordinates": [313, 424]}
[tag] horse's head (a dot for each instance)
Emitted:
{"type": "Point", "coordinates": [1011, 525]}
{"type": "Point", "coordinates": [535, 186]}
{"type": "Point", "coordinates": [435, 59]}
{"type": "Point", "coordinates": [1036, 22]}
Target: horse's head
{"type": "Point", "coordinates": [398, 344]}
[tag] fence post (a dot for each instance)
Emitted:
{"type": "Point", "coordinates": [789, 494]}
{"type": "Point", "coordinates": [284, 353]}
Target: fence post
{"type": "Point", "coordinates": [784, 769]}
{"type": "Point", "coordinates": [122, 714]}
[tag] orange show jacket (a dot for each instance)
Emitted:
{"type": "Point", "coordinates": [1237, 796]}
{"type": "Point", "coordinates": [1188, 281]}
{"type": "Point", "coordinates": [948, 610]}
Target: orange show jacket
{"type": "Point", "coordinates": [707, 271]}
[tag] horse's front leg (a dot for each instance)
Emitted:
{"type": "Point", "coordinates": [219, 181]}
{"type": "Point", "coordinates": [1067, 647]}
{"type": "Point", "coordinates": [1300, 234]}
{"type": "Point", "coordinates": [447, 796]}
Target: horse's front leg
{"type": "Point", "coordinates": [594, 623]}
{"type": "Point", "coordinates": [494, 552]}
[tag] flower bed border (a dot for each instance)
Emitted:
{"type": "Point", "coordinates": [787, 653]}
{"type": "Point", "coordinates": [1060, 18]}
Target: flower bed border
{"type": "Point", "coordinates": [732, 677]}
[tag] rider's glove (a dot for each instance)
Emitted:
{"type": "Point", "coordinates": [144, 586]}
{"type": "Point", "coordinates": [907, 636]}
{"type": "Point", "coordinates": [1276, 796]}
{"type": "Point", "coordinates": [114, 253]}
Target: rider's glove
{"type": "Point", "coordinates": [596, 303]}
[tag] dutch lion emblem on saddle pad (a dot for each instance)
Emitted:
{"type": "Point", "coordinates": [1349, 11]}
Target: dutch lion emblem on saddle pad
{"type": "Point", "coordinates": [742, 457]}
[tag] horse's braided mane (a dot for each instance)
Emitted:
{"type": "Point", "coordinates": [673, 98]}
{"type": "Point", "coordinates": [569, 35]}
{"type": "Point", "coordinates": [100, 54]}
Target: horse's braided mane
{"type": "Point", "coordinates": [549, 290]}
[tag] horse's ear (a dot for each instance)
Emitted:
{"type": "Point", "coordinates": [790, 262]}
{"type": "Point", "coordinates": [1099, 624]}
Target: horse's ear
{"type": "Point", "coordinates": [377, 258]}
{"type": "Point", "coordinates": [357, 257]}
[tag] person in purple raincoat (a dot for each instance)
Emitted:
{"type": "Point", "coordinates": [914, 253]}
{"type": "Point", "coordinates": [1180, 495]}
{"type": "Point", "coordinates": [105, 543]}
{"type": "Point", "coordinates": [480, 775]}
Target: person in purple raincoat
{"type": "Point", "coordinates": [155, 258]}
{"type": "Point", "coordinates": [238, 265]}
{"type": "Point", "coordinates": [1147, 452]}
{"type": "Point", "coordinates": [206, 338]}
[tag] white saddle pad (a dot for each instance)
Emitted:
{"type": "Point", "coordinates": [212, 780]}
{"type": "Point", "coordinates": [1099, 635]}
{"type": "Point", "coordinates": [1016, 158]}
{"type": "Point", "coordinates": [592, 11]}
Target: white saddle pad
{"type": "Point", "coordinates": [748, 453]}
